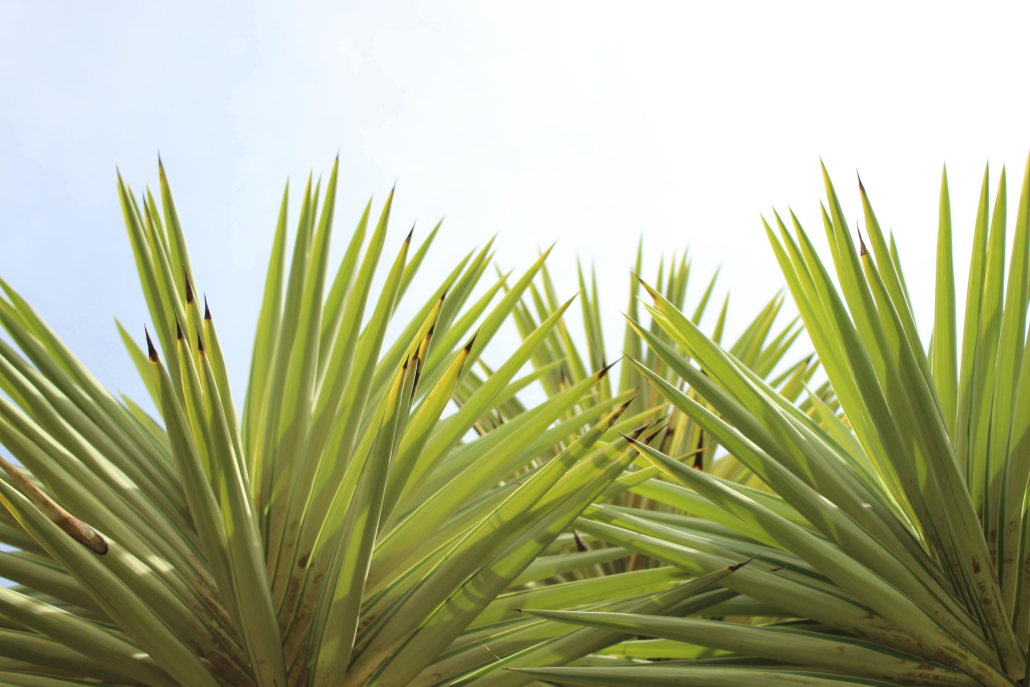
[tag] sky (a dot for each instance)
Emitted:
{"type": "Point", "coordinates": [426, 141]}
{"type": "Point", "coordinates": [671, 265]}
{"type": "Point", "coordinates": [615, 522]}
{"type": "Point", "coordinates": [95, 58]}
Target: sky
{"type": "Point", "coordinates": [586, 123]}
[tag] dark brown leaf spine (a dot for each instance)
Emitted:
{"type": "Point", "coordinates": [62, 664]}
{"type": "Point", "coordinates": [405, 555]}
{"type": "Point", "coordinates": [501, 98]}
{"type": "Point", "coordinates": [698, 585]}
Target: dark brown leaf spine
{"type": "Point", "coordinates": [604, 370]}
{"type": "Point", "coordinates": [151, 351]}
{"type": "Point", "coordinates": [617, 413]}
{"type": "Point", "coordinates": [862, 251]}
{"type": "Point", "coordinates": [738, 566]}
{"type": "Point", "coordinates": [655, 433]}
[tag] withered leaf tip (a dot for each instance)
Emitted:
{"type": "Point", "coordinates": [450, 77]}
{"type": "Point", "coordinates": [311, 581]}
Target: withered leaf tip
{"type": "Point", "coordinates": [75, 528]}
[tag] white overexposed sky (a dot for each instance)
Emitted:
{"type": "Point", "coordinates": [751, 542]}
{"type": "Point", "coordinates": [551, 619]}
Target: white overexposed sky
{"type": "Point", "coordinates": [583, 122]}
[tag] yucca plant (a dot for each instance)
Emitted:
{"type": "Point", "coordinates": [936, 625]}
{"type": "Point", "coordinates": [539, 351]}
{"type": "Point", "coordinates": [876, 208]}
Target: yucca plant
{"type": "Point", "coordinates": [581, 571]}
{"type": "Point", "coordinates": [349, 526]}
{"type": "Point", "coordinates": [891, 538]}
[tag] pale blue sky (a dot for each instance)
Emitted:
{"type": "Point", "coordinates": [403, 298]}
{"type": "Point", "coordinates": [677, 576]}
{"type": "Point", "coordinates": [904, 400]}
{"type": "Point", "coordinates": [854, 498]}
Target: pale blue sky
{"type": "Point", "coordinates": [587, 123]}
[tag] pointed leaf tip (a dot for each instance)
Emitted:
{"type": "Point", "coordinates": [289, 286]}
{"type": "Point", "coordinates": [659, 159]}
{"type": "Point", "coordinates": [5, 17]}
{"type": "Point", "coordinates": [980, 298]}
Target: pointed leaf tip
{"type": "Point", "coordinates": [607, 366]}
{"type": "Point", "coordinates": [200, 343]}
{"type": "Point", "coordinates": [468, 346]}
{"type": "Point", "coordinates": [861, 243]}
{"type": "Point", "coordinates": [659, 426]}
{"type": "Point", "coordinates": [629, 438]}
{"type": "Point", "coordinates": [178, 330]}
{"type": "Point", "coordinates": [150, 346]}
{"type": "Point", "coordinates": [604, 370]}
{"type": "Point", "coordinates": [189, 287]}
{"type": "Point", "coordinates": [738, 566]}
{"type": "Point", "coordinates": [207, 310]}
{"type": "Point", "coordinates": [651, 292]}
{"type": "Point", "coordinates": [643, 428]}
